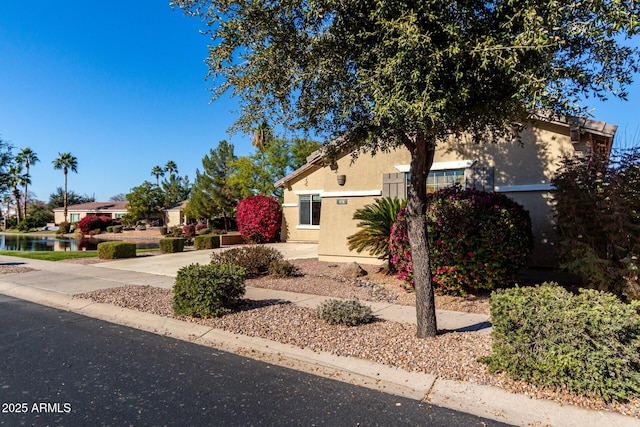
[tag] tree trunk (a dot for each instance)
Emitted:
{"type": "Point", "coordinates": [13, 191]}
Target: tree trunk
{"type": "Point", "coordinates": [65, 194]}
{"type": "Point", "coordinates": [422, 153]}
{"type": "Point", "coordinates": [16, 195]}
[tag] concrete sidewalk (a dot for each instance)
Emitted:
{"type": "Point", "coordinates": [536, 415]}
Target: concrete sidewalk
{"type": "Point", "coordinates": [54, 284]}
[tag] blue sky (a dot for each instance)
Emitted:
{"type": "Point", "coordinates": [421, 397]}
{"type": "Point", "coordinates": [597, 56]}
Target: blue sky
{"type": "Point", "coordinates": [123, 90]}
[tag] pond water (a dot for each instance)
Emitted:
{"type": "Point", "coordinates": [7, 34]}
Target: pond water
{"type": "Point", "coordinates": [11, 242]}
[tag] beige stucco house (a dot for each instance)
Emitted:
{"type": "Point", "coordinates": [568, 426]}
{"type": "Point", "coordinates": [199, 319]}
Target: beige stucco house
{"type": "Point", "coordinates": [174, 215]}
{"type": "Point", "coordinates": [321, 197]}
{"type": "Point", "coordinates": [75, 213]}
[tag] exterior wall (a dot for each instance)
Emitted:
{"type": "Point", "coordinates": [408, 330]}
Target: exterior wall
{"type": "Point", "coordinates": [58, 215]}
{"type": "Point", "coordinates": [523, 171]}
{"type": "Point", "coordinates": [174, 217]}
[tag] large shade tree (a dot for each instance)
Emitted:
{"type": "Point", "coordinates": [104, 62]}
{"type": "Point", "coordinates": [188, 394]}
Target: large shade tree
{"type": "Point", "coordinates": [66, 162]}
{"type": "Point", "coordinates": [376, 75]}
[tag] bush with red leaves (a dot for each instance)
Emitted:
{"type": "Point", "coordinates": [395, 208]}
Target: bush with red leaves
{"type": "Point", "coordinates": [90, 223]}
{"type": "Point", "coordinates": [258, 219]}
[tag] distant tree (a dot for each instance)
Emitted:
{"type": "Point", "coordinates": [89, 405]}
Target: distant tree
{"type": "Point", "coordinates": [120, 197]}
{"type": "Point", "coordinates": [212, 195]}
{"type": "Point", "coordinates": [6, 159]}
{"type": "Point", "coordinates": [145, 200]}
{"type": "Point", "coordinates": [175, 190]}
{"type": "Point", "coordinates": [257, 173]}
{"type": "Point", "coordinates": [300, 149]}
{"type": "Point", "coordinates": [262, 138]}
{"type": "Point", "coordinates": [56, 199]}
{"type": "Point", "coordinates": [27, 157]}
{"type": "Point", "coordinates": [172, 168]}
{"type": "Point", "coordinates": [157, 171]}
{"type": "Point", "coordinates": [66, 162]}
{"type": "Point", "coordinates": [17, 179]}
{"type": "Point", "coordinates": [40, 213]}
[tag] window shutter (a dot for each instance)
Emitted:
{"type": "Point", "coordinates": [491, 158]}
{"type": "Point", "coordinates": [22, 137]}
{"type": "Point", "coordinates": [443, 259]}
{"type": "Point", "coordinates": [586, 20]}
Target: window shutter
{"type": "Point", "coordinates": [394, 185]}
{"type": "Point", "coordinates": [480, 178]}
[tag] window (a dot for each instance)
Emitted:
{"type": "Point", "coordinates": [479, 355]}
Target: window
{"type": "Point", "coordinates": [74, 217]}
{"type": "Point", "coordinates": [443, 179]}
{"type": "Point", "coordinates": [310, 209]}
{"type": "Point", "coordinates": [437, 180]}
{"type": "Point", "coordinates": [118, 216]}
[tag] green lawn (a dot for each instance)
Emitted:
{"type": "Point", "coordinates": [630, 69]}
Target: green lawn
{"type": "Point", "coordinates": [59, 256]}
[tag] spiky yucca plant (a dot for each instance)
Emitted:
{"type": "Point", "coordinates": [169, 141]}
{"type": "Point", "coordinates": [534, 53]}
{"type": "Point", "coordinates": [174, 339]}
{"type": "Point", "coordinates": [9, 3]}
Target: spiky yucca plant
{"type": "Point", "coordinates": [375, 223]}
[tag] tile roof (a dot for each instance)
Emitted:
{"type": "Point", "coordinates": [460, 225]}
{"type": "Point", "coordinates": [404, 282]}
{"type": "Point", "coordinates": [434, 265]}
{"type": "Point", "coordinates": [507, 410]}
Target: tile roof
{"type": "Point", "coordinates": [97, 207]}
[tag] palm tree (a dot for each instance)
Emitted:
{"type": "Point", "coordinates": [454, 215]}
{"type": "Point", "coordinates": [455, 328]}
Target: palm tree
{"type": "Point", "coordinates": [171, 167]}
{"type": "Point", "coordinates": [28, 157]}
{"type": "Point", "coordinates": [262, 136]}
{"type": "Point", "coordinates": [157, 171]}
{"type": "Point", "coordinates": [66, 161]}
{"type": "Point", "coordinates": [17, 179]}
{"type": "Point", "coordinates": [375, 227]}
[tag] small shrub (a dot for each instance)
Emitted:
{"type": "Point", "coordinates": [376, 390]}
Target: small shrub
{"type": "Point", "coordinates": [203, 232]}
{"type": "Point", "coordinates": [350, 313]}
{"type": "Point", "coordinates": [117, 228]}
{"type": "Point", "coordinates": [258, 219]}
{"type": "Point", "coordinates": [207, 290]}
{"type": "Point", "coordinates": [170, 245]}
{"type": "Point", "coordinates": [110, 229]}
{"type": "Point", "coordinates": [281, 268]}
{"type": "Point", "coordinates": [189, 230]}
{"type": "Point", "coordinates": [587, 343]}
{"type": "Point", "coordinates": [64, 228]}
{"type": "Point", "coordinates": [115, 250]}
{"type": "Point", "coordinates": [206, 242]}
{"type": "Point", "coordinates": [163, 230]}
{"type": "Point", "coordinates": [254, 259]}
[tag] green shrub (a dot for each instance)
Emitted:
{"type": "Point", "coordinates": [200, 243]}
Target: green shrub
{"type": "Point", "coordinates": [64, 228]}
{"type": "Point", "coordinates": [477, 240]}
{"type": "Point", "coordinates": [117, 228]}
{"type": "Point", "coordinates": [110, 229]}
{"type": "Point", "coordinates": [255, 259]}
{"type": "Point", "coordinates": [163, 230]}
{"type": "Point", "coordinates": [206, 242]}
{"type": "Point", "coordinates": [203, 232]}
{"type": "Point", "coordinates": [587, 343]}
{"type": "Point", "coordinates": [350, 313]}
{"type": "Point", "coordinates": [115, 250]}
{"type": "Point", "coordinates": [281, 268]}
{"type": "Point", "coordinates": [597, 217]}
{"type": "Point", "coordinates": [170, 245]}
{"type": "Point", "coordinates": [207, 290]}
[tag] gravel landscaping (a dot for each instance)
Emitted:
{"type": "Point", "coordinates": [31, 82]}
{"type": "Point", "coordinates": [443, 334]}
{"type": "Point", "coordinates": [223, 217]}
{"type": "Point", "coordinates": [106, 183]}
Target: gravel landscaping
{"type": "Point", "coordinates": [452, 355]}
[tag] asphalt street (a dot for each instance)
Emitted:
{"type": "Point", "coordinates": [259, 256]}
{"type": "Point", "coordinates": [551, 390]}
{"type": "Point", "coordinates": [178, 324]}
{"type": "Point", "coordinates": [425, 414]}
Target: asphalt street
{"type": "Point", "coordinates": [63, 369]}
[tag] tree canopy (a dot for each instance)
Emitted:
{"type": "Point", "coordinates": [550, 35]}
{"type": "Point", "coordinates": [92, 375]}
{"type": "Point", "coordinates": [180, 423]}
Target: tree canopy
{"type": "Point", "coordinates": [375, 75]}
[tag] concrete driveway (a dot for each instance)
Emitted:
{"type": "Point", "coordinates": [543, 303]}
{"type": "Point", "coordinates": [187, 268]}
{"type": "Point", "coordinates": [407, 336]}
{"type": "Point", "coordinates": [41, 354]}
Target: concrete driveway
{"type": "Point", "coordinates": [169, 264]}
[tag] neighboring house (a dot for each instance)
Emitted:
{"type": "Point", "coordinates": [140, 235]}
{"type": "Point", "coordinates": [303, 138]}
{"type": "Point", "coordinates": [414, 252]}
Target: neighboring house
{"type": "Point", "coordinates": [75, 213]}
{"type": "Point", "coordinates": [321, 197]}
{"type": "Point", "coordinates": [174, 215]}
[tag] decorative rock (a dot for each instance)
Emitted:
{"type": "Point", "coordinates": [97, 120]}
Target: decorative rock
{"type": "Point", "coordinates": [353, 271]}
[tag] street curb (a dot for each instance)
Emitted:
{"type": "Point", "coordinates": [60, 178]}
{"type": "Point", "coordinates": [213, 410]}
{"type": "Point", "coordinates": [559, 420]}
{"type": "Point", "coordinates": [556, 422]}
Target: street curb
{"type": "Point", "coordinates": [481, 400]}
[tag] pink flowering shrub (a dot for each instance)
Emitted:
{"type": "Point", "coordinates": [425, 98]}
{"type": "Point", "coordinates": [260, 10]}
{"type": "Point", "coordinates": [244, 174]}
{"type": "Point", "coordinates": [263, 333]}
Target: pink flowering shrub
{"type": "Point", "coordinates": [189, 230]}
{"type": "Point", "coordinates": [477, 240]}
{"type": "Point", "coordinates": [90, 223]}
{"type": "Point", "coordinates": [258, 219]}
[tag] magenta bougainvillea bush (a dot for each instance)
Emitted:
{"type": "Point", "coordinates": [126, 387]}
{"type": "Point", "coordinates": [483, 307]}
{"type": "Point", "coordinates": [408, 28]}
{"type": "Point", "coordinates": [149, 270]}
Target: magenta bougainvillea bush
{"type": "Point", "coordinates": [90, 223]}
{"type": "Point", "coordinates": [477, 240]}
{"type": "Point", "coordinates": [258, 219]}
